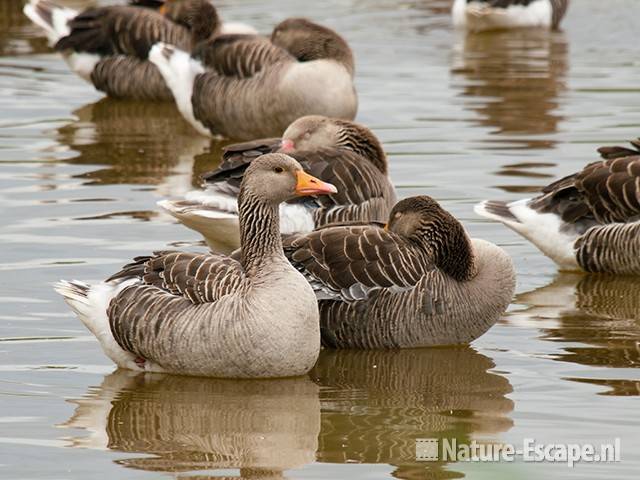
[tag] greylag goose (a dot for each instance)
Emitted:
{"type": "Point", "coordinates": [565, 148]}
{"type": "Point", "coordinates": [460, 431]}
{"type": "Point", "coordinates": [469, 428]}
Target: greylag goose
{"type": "Point", "coordinates": [341, 152]}
{"type": "Point", "coordinates": [246, 86]}
{"type": "Point", "coordinates": [210, 315]}
{"type": "Point", "coordinates": [483, 15]}
{"type": "Point", "coordinates": [109, 46]}
{"type": "Point", "coordinates": [418, 281]}
{"type": "Point", "coordinates": [587, 221]}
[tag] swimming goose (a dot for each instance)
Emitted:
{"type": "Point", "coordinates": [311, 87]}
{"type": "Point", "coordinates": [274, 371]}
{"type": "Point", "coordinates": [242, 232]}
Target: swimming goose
{"type": "Point", "coordinates": [207, 314]}
{"type": "Point", "coordinates": [418, 281]}
{"type": "Point", "coordinates": [246, 87]}
{"type": "Point", "coordinates": [587, 221]}
{"type": "Point", "coordinates": [483, 15]}
{"type": "Point", "coordinates": [343, 153]}
{"type": "Point", "coordinates": [109, 46]}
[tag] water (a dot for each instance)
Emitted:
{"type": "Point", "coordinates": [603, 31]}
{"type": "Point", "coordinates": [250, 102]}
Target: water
{"type": "Point", "coordinates": [495, 116]}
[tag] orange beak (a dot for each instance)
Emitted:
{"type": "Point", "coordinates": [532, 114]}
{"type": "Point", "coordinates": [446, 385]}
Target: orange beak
{"type": "Point", "coordinates": [308, 185]}
{"type": "Point", "coordinates": [163, 9]}
{"type": "Point", "coordinates": [386, 227]}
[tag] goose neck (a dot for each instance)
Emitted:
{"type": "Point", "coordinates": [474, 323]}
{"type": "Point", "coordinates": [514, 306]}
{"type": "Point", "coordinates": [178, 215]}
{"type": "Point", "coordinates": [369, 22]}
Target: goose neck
{"type": "Point", "coordinates": [259, 232]}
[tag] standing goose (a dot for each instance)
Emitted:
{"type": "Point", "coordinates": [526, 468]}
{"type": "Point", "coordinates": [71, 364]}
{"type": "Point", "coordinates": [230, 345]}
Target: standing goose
{"type": "Point", "coordinates": [343, 153]}
{"type": "Point", "coordinates": [109, 46]}
{"type": "Point", "coordinates": [587, 221]}
{"type": "Point", "coordinates": [246, 87]}
{"type": "Point", "coordinates": [419, 281]}
{"type": "Point", "coordinates": [210, 315]}
{"type": "Point", "coordinates": [483, 15]}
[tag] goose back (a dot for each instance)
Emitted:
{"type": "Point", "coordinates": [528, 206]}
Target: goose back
{"type": "Point", "coordinates": [107, 76]}
{"type": "Point", "coordinates": [122, 30]}
{"type": "Point", "coordinates": [420, 306]}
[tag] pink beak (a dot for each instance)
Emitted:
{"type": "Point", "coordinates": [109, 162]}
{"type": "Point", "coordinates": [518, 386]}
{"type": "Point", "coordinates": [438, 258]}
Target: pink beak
{"type": "Point", "coordinates": [287, 146]}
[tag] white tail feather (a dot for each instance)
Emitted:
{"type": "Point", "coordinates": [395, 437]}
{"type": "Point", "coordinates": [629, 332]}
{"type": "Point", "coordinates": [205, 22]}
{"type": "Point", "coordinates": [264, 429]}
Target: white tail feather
{"type": "Point", "coordinates": [179, 71]}
{"type": "Point", "coordinates": [50, 17]}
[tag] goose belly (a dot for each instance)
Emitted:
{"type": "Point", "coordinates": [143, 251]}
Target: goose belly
{"type": "Point", "coordinates": [479, 16]}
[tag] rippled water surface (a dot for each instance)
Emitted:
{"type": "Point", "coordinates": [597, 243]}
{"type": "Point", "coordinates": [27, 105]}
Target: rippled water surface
{"type": "Point", "coordinates": [494, 115]}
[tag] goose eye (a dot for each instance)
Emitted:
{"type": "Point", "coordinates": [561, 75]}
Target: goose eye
{"type": "Point", "coordinates": [398, 214]}
{"type": "Point", "coordinates": [278, 169]}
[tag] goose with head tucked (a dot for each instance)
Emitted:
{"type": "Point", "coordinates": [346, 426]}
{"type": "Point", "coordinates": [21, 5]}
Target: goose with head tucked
{"type": "Point", "coordinates": [417, 281]}
{"type": "Point", "coordinates": [247, 86]}
{"type": "Point", "coordinates": [208, 314]}
{"type": "Point", "coordinates": [484, 15]}
{"type": "Point", "coordinates": [588, 221]}
{"type": "Point", "coordinates": [340, 152]}
{"type": "Point", "coordinates": [109, 46]}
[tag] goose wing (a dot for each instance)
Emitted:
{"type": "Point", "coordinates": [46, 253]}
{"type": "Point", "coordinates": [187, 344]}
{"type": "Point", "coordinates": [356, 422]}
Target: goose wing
{"type": "Point", "coordinates": [200, 278]}
{"type": "Point", "coordinates": [607, 191]}
{"type": "Point", "coordinates": [239, 55]}
{"type": "Point", "coordinates": [364, 193]}
{"type": "Point", "coordinates": [122, 30]}
{"type": "Point", "coordinates": [349, 262]}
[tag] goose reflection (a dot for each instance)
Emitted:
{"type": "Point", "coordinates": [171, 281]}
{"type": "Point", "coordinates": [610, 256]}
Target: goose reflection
{"type": "Point", "coordinates": [142, 143]}
{"type": "Point", "coordinates": [185, 424]}
{"type": "Point", "coordinates": [601, 312]}
{"type": "Point", "coordinates": [512, 80]}
{"type": "Point", "coordinates": [376, 403]}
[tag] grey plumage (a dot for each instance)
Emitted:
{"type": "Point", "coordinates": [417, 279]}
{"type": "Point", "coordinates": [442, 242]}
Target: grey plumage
{"type": "Point", "coordinates": [343, 153]}
{"type": "Point", "coordinates": [246, 87]}
{"type": "Point", "coordinates": [211, 315]}
{"type": "Point", "coordinates": [418, 282]}
{"type": "Point", "coordinates": [595, 211]}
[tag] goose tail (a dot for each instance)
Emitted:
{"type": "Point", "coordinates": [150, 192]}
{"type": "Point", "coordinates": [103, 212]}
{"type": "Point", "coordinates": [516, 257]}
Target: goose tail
{"type": "Point", "coordinates": [90, 303]}
{"type": "Point", "coordinates": [496, 210]}
{"type": "Point", "coordinates": [53, 19]}
{"type": "Point", "coordinates": [179, 71]}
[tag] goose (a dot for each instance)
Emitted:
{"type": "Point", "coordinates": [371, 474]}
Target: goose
{"type": "Point", "coordinates": [246, 87]}
{"type": "Point", "coordinates": [588, 221]}
{"type": "Point", "coordinates": [483, 15]}
{"type": "Point", "coordinates": [207, 314]}
{"type": "Point", "coordinates": [417, 281]}
{"type": "Point", "coordinates": [341, 152]}
{"type": "Point", "coordinates": [108, 46]}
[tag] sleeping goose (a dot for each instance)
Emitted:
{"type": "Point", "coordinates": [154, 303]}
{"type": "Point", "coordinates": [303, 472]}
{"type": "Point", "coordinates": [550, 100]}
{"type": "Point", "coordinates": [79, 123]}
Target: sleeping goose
{"type": "Point", "coordinates": [587, 221]}
{"type": "Point", "coordinates": [247, 86]}
{"type": "Point", "coordinates": [483, 15]}
{"type": "Point", "coordinates": [418, 281]}
{"type": "Point", "coordinates": [210, 315]}
{"type": "Point", "coordinates": [343, 153]}
{"type": "Point", "coordinates": [109, 46]}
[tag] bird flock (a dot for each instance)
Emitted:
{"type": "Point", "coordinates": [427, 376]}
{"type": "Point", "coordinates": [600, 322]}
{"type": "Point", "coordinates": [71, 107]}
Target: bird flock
{"type": "Point", "coordinates": [324, 254]}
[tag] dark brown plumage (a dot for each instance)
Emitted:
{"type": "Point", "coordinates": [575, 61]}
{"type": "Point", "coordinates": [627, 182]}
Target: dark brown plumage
{"type": "Point", "coordinates": [396, 286]}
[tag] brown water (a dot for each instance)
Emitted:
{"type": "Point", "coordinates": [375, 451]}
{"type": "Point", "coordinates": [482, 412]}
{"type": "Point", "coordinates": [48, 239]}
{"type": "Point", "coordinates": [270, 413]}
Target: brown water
{"type": "Point", "coordinates": [492, 116]}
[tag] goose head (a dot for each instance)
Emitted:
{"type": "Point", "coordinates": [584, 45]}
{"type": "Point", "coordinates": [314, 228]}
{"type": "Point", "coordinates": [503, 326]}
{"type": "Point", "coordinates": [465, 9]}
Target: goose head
{"type": "Point", "coordinates": [276, 177]}
{"type": "Point", "coordinates": [199, 16]}
{"type": "Point", "coordinates": [314, 132]}
{"type": "Point", "coordinates": [308, 41]}
{"type": "Point", "coordinates": [424, 222]}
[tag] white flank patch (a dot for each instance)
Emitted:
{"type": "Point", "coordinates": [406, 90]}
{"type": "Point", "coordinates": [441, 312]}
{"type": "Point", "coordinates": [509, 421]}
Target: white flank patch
{"type": "Point", "coordinates": [237, 28]}
{"type": "Point", "coordinates": [295, 218]}
{"type": "Point", "coordinates": [478, 16]}
{"type": "Point", "coordinates": [179, 71]}
{"type": "Point", "coordinates": [82, 64]}
{"type": "Point", "coordinates": [541, 229]}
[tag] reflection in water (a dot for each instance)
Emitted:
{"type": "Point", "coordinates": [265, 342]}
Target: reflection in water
{"type": "Point", "coordinates": [513, 80]}
{"type": "Point", "coordinates": [184, 424]}
{"type": "Point", "coordinates": [600, 311]}
{"type": "Point", "coordinates": [376, 403]}
{"type": "Point", "coordinates": [141, 143]}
